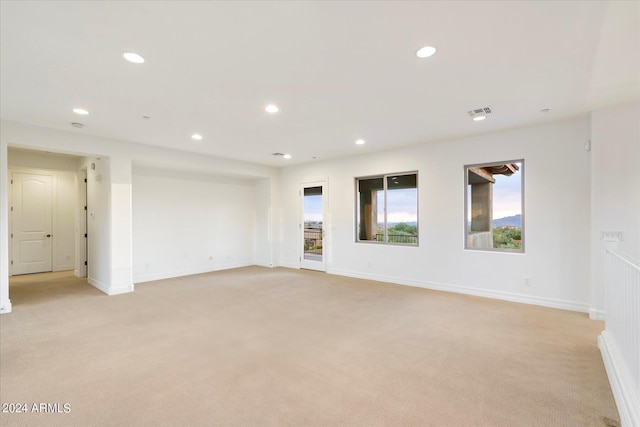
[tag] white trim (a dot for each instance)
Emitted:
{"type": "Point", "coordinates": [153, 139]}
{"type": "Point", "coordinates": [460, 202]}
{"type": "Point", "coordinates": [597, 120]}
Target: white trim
{"type": "Point", "coordinates": [98, 284]}
{"type": "Point", "coordinates": [626, 398]}
{"type": "Point", "coordinates": [190, 272]}
{"type": "Point", "coordinates": [292, 265]}
{"type": "Point", "coordinates": [595, 314]}
{"type": "Point", "coordinates": [6, 307]}
{"type": "Point", "coordinates": [120, 290]}
{"type": "Point", "coordinates": [487, 293]}
{"type": "Point", "coordinates": [267, 264]}
{"type": "Point", "coordinates": [109, 290]}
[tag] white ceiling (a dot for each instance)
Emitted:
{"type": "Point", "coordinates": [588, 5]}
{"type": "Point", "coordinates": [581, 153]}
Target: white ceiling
{"type": "Point", "coordinates": [339, 71]}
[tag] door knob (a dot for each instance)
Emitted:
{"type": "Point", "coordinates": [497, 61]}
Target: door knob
{"type": "Point", "coordinates": [48, 235]}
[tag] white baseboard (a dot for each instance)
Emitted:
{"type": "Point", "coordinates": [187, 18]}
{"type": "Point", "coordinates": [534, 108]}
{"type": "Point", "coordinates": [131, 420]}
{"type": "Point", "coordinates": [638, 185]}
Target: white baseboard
{"type": "Point", "coordinates": [109, 290]}
{"type": "Point", "coordinates": [120, 290]}
{"type": "Point", "coordinates": [98, 285]}
{"type": "Point", "coordinates": [488, 293]}
{"type": "Point", "coordinates": [624, 392]}
{"type": "Point", "coordinates": [5, 308]}
{"type": "Point", "coordinates": [189, 272]}
{"type": "Point", "coordinates": [595, 314]}
{"type": "Point", "coordinates": [289, 265]}
{"type": "Point", "coordinates": [267, 264]}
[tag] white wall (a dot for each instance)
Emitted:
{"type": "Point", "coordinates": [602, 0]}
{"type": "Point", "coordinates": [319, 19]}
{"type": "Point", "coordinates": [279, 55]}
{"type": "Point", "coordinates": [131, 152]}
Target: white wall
{"type": "Point", "coordinates": [559, 187]}
{"type": "Point", "coordinates": [64, 222]}
{"type": "Point", "coordinates": [264, 223]}
{"type": "Point", "coordinates": [110, 199]}
{"type": "Point", "coordinates": [99, 224]}
{"type": "Point", "coordinates": [615, 187]}
{"type": "Point", "coordinates": [557, 202]}
{"type": "Point", "coordinates": [186, 223]}
{"type": "Point", "coordinates": [42, 160]}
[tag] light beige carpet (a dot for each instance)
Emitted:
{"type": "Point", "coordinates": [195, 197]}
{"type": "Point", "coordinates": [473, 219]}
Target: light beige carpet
{"type": "Point", "coordinates": [281, 347]}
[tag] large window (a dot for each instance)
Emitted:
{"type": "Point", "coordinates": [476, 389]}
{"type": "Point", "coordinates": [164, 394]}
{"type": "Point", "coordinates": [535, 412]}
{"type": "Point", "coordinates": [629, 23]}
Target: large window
{"type": "Point", "coordinates": [494, 206]}
{"type": "Point", "coordinates": [387, 209]}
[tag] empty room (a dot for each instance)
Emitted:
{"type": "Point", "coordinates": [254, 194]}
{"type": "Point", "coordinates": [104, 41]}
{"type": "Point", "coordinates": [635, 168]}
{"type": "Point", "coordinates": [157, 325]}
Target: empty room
{"type": "Point", "coordinates": [320, 213]}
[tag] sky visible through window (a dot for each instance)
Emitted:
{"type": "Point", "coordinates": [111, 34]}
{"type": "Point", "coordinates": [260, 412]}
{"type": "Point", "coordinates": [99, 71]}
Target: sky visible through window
{"type": "Point", "coordinates": [402, 205]}
{"type": "Point", "coordinates": [313, 208]}
{"type": "Point", "coordinates": [507, 197]}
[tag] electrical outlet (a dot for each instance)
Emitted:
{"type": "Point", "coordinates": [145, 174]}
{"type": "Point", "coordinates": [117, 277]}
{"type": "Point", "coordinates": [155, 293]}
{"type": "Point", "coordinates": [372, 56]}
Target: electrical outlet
{"type": "Point", "coordinates": [527, 282]}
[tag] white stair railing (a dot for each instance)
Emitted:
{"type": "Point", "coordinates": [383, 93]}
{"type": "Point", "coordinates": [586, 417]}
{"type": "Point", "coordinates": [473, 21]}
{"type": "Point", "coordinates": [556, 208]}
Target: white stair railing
{"type": "Point", "coordinates": [620, 341]}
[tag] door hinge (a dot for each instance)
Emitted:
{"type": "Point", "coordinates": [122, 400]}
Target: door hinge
{"type": "Point", "coordinates": [85, 263]}
{"type": "Point", "coordinates": [11, 208]}
{"type": "Point", "coordinates": [300, 258]}
{"type": "Point", "coordinates": [12, 235]}
{"type": "Point", "coordinates": [11, 262]}
{"type": "Point", "coordinates": [85, 208]}
{"type": "Point", "coordinates": [12, 181]}
{"type": "Point", "coordinates": [85, 235]}
{"type": "Point", "coordinates": [85, 180]}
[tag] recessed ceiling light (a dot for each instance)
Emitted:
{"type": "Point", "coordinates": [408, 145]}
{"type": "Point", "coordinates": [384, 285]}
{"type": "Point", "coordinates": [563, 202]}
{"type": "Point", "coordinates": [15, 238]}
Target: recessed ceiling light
{"type": "Point", "coordinates": [360, 142]}
{"type": "Point", "coordinates": [287, 156]}
{"type": "Point", "coordinates": [271, 108]}
{"type": "Point", "coordinates": [80, 111]}
{"type": "Point", "coordinates": [196, 136]}
{"type": "Point", "coordinates": [479, 118]}
{"type": "Point", "coordinates": [133, 57]}
{"type": "Point", "coordinates": [425, 52]}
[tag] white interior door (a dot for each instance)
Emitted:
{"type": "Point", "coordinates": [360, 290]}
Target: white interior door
{"type": "Point", "coordinates": [313, 197]}
{"type": "Point", "coordinates": [31, 223]}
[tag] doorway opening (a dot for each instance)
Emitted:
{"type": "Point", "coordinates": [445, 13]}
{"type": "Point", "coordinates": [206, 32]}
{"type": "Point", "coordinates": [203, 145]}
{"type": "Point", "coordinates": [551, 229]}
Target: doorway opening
{"type": "Point", "coordinates": [47, 198]}
{"type": "Point", "coordinates": [313, 254]}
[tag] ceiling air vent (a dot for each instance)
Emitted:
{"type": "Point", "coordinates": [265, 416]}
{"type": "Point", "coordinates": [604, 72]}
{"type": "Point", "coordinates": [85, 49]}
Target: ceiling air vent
{"type": "Point", "coordinates": [480, 112]}
{"type": "Point", "coordinates": [278, 154]}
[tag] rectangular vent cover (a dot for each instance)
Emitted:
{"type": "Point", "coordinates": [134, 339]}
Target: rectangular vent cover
{"type": "Point", "coordinates": [480, 111]}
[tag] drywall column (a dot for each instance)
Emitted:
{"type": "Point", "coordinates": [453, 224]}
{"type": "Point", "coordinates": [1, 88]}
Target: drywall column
{"type": "Point", "coordinates": [121, 226]}
{"type": "Point", "coordinates": [264, 223]}
{"type": "Point", "coordinates": [615, 191]}
{"type": "Point", "coordinates": [5, 303]}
